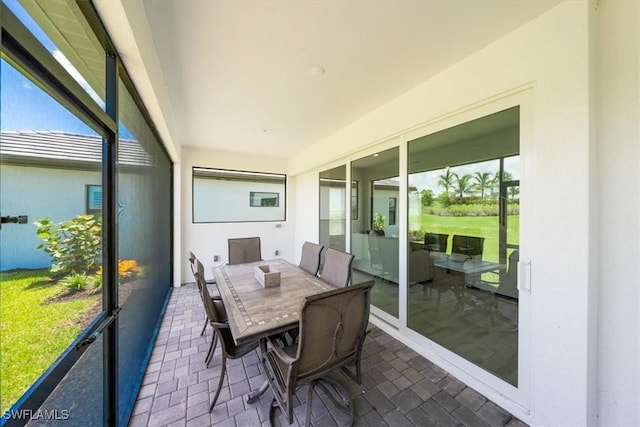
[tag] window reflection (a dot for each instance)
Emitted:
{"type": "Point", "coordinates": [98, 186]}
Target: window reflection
{"type": "Point", "coordinates": [375, 231]}
{"type": "Point", "coordinates": [333, 212]}
{"type": "Point", "coordinates": [463, 216]}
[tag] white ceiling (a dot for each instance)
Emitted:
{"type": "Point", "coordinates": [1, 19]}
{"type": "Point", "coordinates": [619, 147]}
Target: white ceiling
{"type": "Point", "coordinates": [235, 68]}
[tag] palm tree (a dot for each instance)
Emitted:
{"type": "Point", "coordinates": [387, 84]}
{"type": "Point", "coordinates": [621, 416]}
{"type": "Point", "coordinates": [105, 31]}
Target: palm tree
{"type": "Point", "coordinates": [506, 176]}
{"type": "Point", "coordinates": [514, 192]}
{"type": "Point", "coordinates": [462, 184]}
{"type": "Point", "coordinates": [483, 181]}
{"type": "Point", "coordinates": [446, 180]}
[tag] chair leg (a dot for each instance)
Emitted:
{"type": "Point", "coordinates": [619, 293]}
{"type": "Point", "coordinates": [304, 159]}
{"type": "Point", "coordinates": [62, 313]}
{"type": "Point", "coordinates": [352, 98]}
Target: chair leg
{"type": "Point", "coordinates": [272, 407]}
{"type": "Point", "coordinates": [212, 350]}
{"type": "Point", "coordinates": [204, 327]}
{"type": "Point", "coordinates": [345, 404]}
{"type": "Point", "coordinates": [307, 416]}
{"type": "Point", "coordinates": [224, 368]}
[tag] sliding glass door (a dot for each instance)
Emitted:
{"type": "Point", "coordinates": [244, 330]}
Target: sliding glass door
{"type": "Point", "coordinates": [463, 235]}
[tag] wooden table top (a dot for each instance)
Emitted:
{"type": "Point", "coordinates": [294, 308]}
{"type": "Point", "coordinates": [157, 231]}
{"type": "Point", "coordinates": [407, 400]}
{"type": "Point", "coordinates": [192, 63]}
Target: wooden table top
{"type": "Point", "coordinates": [254, 311]}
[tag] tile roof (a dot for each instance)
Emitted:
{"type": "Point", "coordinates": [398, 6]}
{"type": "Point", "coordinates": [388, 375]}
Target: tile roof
{"type": "Point", "coordinates": [55, 148]}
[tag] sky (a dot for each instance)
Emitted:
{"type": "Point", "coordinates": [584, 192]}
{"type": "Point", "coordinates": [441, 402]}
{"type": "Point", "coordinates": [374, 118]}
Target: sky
{"type": "Point", "coordinates": [25, 107]}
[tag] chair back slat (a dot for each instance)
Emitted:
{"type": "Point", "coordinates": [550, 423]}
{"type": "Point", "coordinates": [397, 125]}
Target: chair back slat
{"type": "Point", "coordinates": [337, 267]}
{"type": "Point", "coordinates": [244, 249]}
{"type": "Point", "coordinates": [310, 260]}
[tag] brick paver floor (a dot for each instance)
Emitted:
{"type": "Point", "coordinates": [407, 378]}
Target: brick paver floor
{"type": "Point", "coordinates": [399, 386]}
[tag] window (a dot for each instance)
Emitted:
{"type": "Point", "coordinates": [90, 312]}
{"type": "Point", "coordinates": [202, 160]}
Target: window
{"type": "Point", "coordinates": [94, 199]}
{"type": "Point", "coordinates": [258, 199]}
{"type": "Point", "coordinates": [393, 202]}
{"type": "Point", "coordinates": [221, 196]}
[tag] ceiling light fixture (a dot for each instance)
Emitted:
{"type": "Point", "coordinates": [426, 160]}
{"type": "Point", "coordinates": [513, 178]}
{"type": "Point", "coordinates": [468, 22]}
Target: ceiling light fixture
{"type": "Point", "coordinates": [376, 155]}
{"type": "Point", "coordinates": [316, 71]}
{"type": "Point", "coordinates": [267, 130]}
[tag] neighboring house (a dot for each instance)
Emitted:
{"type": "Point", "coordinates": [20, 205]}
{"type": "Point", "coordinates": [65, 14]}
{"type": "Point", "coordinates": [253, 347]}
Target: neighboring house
{"type": "Point", "coordinates": [58, 174]}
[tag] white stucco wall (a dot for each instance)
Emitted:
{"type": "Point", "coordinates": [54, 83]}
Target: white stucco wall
{"type": "Point", "coordinates": [618, 183]}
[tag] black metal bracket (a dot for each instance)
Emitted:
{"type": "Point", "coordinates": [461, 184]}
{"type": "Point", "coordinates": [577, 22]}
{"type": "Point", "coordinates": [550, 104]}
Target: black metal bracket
{"type": "Point", "coordinates": [20, 219]}
{"type": "Point", "coordinates": [94, 336]}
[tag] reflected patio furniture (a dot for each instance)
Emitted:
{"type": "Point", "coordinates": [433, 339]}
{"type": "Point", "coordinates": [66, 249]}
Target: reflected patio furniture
{"type": "Point", "coordinates": [389, 249]}
{"type": "Point", "coordinates": [509, 286]}
{"type": "Point", "coordinates": [337, 268]}
{"type": "Point", "coordinates": [332, 331]}
{"type": "Point", "coordinates": [375, 261]}
{"type": "Point", "coordinates": [421, 268]}
{"type": "Point", "coordinates": [244, 249]}
{"type": "Point", "coordinates": [310, 260]}
{"type": "Point", "coordinates": [220, 324]}
{"type": "Point", "coordinates": [466, 247]}
{"type": "Point", "coordinates": [436, 242]}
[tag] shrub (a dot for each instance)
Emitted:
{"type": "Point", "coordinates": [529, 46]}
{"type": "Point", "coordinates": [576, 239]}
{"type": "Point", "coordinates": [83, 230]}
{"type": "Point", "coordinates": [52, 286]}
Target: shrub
{"type": "Point", "coordinates": [76, 282]}
{"type": "Point", "coordinates": [96, 282]}
{"type": "Point", "coordinates": [74, 245]}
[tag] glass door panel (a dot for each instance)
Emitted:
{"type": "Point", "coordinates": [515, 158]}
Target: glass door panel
{"type": "Point", "coordinates": [374, 227]}
{"type": "Point", "coordinates": [463, 209]}
{"type": "Point", "coordinates": [333, 211]}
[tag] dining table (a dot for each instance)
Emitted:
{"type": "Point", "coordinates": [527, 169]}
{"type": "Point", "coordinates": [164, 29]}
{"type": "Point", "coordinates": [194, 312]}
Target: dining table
{"type": "Point", "coordinates": [255, 311]}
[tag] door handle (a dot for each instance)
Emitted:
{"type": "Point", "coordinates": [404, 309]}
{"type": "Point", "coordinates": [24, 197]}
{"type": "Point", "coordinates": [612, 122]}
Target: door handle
{"type": "Point", "coordinates": [524, 276]}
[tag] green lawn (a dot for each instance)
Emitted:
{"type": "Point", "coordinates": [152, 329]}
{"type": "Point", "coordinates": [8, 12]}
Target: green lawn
{"type": "Point", "coordinates": [33, 333]}
{"type": "Point", "coordinates": [481, 226]}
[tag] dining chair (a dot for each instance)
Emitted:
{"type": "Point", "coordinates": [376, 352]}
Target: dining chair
{"type": "Point", "coordinates": [203, 289]}
{"type": "Point", "coordinates": [218, 321]}
{"type": "Point", "coordinates": [244, 249]}
{"type": "Point", "coordinates": [332, 327]}
{"type": "Point", "coordinates": [310, 260]}
{"type": "Point", "coordinates": [193, 260]}
{"type": "Point", "coordinates": [337, 267]}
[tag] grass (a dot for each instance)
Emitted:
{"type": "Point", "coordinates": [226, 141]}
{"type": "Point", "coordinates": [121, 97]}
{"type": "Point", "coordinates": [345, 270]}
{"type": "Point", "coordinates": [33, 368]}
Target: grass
{"type": "Point", "coordinates": [33, 331]}
{"type": "Point", "coordinates": [482, 226]}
